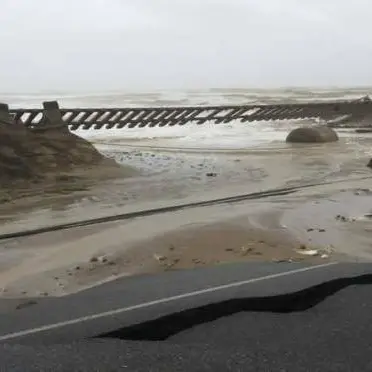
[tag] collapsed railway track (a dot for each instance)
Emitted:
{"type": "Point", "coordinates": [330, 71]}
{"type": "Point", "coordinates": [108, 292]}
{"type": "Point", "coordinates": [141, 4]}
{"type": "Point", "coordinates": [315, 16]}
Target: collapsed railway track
{"type": "Point", "coordinates": [141, 117]}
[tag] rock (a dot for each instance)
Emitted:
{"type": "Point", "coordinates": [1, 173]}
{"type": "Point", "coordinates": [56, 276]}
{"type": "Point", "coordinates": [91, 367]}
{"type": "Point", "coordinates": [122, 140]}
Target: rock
{"type": "Point", "coordinates": [211, 174]}
{"type": "Point", "coordinates": [314, 134]}
{"type": "Point", "coordinates": [47, 151]}
{"type": "Point", "coordinates": [369, 165]}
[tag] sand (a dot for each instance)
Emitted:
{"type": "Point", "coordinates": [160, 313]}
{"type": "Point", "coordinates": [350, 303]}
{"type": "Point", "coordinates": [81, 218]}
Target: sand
{"type": "Point", "coordinates": [63, 262]}
{"type": "Point", "coordinates": [85, 259]}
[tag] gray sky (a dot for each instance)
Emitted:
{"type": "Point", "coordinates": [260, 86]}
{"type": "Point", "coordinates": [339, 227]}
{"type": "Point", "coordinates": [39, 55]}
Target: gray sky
{"type": "Point", "coordinates": [82, 45]}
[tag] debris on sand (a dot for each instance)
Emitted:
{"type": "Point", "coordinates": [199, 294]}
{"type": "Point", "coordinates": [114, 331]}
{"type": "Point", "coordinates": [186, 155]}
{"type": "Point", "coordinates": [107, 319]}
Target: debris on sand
{"type": "Point", "coordinates": [339, 217]}
{"type": "Point", "coordinates": [245, 250]}
{"type": "Point", "coordinates": [282, 260]}
{"type": "Point", "coordinates": [102, 259]}
{"type": "Point", "coordinates": [159, 258]}
{"type": "Point", "coordinates": [309, 252]}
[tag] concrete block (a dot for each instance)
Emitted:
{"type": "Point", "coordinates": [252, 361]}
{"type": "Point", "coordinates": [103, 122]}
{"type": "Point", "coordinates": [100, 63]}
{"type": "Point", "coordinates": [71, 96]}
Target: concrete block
{"type": "Point", "coordinates": [4, 114]}
{"type": "Point", "coordinates": [52, 116]}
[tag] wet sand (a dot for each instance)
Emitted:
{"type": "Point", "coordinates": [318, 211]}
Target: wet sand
{"type": "Point", "coordinates": [278, 230]}
{"type": "Point", "coordinates": [51, 266]}
{"type": "Point", "coordinates": [325, 222]}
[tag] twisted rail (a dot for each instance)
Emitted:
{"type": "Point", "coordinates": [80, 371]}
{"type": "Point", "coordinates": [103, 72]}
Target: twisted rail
{"type": "Point", "coordinates": [109, 118]}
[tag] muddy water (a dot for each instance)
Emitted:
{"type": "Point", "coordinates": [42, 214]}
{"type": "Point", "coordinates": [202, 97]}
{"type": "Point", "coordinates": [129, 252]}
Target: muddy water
{"type": "Point", "coordinates": [170, 174]}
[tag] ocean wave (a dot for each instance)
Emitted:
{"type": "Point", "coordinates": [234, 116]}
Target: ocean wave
{"type": "Point", "coordinates": [187, 97]}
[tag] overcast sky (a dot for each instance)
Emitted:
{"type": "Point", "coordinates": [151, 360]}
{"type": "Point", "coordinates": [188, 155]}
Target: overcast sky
{"type": "Point", "coordinates": [147, 44]}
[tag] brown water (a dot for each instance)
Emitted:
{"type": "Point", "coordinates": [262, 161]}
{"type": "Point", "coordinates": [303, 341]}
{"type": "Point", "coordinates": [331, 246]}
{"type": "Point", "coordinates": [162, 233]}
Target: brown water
{"type": "Point", "coordinates": [174, 176]}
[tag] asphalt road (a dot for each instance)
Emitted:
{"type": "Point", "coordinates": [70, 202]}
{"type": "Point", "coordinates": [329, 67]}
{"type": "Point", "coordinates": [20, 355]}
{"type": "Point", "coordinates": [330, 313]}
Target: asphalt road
{"type": "Point", "coordinates": [236, 317]}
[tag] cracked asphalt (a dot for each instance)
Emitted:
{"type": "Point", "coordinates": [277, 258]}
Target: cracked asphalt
{"type": "Point", "coordinates": [304, 318]}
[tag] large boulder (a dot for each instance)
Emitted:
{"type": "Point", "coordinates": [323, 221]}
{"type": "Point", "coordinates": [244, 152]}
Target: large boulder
{"type": "Point", "coordinates": [314, 134]}
{"type": "Point", "coordinates": [48, 152]}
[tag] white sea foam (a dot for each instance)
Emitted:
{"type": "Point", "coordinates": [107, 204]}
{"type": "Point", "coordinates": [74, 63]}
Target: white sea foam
{"type": "Point", "coordinates": [234, 135]}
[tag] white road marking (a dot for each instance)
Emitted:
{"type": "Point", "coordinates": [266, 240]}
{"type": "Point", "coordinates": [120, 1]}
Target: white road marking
{"type": "Point", "coordinates": [49, 327]}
